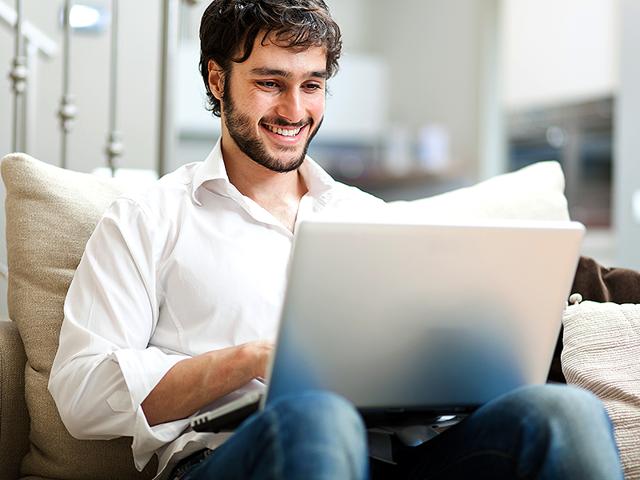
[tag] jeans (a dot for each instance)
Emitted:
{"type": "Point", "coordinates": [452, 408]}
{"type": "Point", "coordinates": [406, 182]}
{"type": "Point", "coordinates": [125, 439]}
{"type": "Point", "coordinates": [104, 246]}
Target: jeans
{"type": "Point", "coordinates": [545, 432]}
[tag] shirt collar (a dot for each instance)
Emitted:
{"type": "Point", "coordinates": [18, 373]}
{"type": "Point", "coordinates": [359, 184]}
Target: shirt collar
{"type": "Point", "coordinates": [318, 182]}
{"type": "Point", "coordinates": [211, 169]}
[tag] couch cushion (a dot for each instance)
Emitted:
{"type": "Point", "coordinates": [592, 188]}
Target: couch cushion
{"type": "Point", "coordinates": [14, 420]}
{"type": "Point", "coordinates": [601, 353]}
{"type": "Point", "coordinates": [50, 214]}
{"type": "Point", "coordinates": [535, 192]}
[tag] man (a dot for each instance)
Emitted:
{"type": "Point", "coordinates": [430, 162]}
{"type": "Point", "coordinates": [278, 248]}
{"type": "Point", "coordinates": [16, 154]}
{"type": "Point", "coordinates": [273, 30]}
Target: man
{"type": "Point", "coordinates": [175, 302]}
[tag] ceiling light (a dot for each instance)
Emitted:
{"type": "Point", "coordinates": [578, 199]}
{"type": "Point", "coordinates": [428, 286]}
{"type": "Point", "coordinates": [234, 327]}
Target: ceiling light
{"type": "Point", "coordinates": [86, 17]}
{"type": "Point", "coordinates": [82, 16]}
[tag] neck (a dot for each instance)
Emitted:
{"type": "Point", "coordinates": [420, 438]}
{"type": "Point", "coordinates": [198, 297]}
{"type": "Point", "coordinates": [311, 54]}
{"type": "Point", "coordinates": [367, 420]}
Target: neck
{"type": "Point", "coordinates": [278, 193]}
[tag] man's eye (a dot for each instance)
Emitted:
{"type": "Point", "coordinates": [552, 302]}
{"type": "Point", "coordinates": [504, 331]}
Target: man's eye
{"type": "Point", "coordinates": [268, 84]}
{"type": "Point", "coordinates": [313, 86]}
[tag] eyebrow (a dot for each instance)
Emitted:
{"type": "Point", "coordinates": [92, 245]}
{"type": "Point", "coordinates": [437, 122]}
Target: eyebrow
{"type": "Point", "coordinates": [274, 72]}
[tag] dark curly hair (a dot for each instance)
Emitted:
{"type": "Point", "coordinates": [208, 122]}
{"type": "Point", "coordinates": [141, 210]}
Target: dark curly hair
{"type": "Point", "coordinates": [229, 28]}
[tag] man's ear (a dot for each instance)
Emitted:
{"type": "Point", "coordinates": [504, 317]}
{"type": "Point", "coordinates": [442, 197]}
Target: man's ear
{"type": "Point", "coordinates": [216, 79]}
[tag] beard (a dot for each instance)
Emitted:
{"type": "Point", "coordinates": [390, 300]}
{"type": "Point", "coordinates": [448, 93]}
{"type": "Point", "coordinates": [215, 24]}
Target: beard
{"type": "Point", "coordinates": [242, 132]}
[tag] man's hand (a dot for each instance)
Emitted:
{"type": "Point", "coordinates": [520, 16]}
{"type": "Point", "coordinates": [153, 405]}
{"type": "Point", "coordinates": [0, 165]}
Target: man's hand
{"type": "Point", "coordinates": [260, 351]}
{"type": "Point", "coordinates": [195, 382]}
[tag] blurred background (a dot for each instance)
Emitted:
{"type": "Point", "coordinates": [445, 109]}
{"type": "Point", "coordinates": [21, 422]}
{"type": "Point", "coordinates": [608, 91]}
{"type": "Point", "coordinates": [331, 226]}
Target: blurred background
{"type": "Point", "coordinates": [431, 95]}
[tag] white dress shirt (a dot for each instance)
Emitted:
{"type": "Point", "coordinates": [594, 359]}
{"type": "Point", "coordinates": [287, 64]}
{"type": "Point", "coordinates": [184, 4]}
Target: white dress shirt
{"type": "Point", "coordinates": [190, 266]}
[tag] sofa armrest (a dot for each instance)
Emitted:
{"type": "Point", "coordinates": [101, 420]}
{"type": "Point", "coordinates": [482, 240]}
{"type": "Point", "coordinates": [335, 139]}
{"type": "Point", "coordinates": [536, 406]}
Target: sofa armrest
{"type": "Point", "coordinates": [14, 418]}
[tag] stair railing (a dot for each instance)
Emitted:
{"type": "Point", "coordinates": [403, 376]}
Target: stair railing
{"type": "Point", "coordinates": [29, 40]}
{"type": "Point", "coordinates": [29, 43]}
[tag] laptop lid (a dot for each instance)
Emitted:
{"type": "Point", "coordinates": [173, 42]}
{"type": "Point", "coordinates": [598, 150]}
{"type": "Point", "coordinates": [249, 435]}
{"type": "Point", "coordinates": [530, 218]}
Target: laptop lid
{"type": "Point", "coordinates": [422, 316]}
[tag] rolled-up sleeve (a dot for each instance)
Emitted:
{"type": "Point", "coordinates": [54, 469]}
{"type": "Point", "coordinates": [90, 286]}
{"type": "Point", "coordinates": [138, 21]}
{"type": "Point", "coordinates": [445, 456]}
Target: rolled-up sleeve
{"type": "Point", "coordinates": [105, 367]}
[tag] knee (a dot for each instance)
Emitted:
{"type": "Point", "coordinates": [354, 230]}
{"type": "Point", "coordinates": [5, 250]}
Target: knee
{"type": "Point", "coordinates": [567, 431]}
{"type": "Point", "coordinates": [322, 412]}
{"type": "Point", "coordinates": [325, 432]}
{"type": "Point", "coordinates": [562, 415]}
{"type": "Point", "coordinates": [563, 404]}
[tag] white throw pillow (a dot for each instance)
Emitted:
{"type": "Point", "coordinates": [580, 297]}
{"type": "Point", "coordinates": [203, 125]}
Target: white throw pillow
{"type": "Point", "coordinates": [602, 354]}
{"type": "Point", "coordinates": [535, 192]}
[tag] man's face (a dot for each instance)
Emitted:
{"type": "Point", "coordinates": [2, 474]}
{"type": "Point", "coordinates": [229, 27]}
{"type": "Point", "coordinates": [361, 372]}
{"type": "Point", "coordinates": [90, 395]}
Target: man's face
{"type": "Point", "coordinates": [273, 103]}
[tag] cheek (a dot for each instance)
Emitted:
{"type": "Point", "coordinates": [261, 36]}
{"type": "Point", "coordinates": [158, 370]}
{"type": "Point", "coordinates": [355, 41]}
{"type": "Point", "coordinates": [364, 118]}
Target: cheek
{"type": "Point", "coordinates": [316, 106]}
{"type": "Point", "coordinates": [258, 103]}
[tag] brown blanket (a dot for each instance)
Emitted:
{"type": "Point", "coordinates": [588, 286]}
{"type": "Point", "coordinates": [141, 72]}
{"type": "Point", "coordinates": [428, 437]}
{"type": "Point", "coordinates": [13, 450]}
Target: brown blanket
{"type": "Point", "coordinates": [599, 284]}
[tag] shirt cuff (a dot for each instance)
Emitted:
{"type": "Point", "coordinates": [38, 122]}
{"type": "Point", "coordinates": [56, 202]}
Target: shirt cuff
{"type": "Point", "coordinates": [149, 439]}
{"type": "Point", "coordinates": [142, 371]}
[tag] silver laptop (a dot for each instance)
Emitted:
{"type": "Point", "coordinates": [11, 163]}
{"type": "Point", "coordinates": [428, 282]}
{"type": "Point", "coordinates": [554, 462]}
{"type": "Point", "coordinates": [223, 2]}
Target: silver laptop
{"type": "Point", "coordinates": [417, 318]}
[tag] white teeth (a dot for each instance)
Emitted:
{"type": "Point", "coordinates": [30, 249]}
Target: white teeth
{"type": "Point", "coordinates": [284, 132]}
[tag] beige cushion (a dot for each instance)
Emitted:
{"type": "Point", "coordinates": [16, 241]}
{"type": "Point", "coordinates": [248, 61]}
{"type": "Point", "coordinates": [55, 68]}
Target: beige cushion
{"type": "Point", "coordinates": [602, 354]}
{"type": "Point", "coordinates": [14, 420]}
{"type": "Point", "coordinates": [50, 214]}
{"type": "Point", "coordinates": [535, 192]}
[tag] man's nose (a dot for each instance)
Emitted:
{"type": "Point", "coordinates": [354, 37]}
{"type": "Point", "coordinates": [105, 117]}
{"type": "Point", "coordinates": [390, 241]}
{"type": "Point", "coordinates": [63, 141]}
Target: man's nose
{"type": "Point", "coordinates": [291, 106]}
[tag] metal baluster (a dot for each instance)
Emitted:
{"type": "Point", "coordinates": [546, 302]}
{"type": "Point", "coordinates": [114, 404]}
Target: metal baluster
{"type": "Point", "coordinates": [19, 75]}
{"type": "Point", "coordinates": [166, 130]}
{"type": "Point", "coordinates": [68, 110]}
{"type": "Point", "coordinates": [115, 146]}
{"type": "Point", "coordinates": [169, 50]}
{"type": "Point", "coordinates": [30, 104]}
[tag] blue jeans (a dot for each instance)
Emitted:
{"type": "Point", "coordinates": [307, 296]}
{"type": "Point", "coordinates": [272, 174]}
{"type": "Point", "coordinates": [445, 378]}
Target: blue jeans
{"type": "Point", "coordinates": [545, 432]}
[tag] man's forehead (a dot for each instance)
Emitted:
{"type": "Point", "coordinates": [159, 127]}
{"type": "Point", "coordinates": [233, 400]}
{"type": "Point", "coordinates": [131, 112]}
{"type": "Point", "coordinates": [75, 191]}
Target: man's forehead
{"type": "Point", "coordinates": [284, 60]}
{"type": "Point", "coordinates": [278, 72]}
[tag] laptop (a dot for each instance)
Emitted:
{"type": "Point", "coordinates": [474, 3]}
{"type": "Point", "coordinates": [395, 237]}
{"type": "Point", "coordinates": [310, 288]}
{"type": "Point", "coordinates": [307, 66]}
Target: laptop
{"type": "Point", "coordinates": [407, 320]}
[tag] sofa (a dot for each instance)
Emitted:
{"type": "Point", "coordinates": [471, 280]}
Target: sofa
{"type": "Point", "coordinates": [50, 214]}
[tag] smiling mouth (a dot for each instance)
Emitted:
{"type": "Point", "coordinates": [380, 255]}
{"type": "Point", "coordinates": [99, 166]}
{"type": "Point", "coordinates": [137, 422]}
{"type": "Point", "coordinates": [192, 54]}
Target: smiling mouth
{"type": "Point", "coordinates": [284, 131]}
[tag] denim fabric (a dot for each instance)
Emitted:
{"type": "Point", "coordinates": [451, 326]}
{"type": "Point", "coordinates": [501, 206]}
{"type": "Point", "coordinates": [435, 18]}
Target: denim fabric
{"type": "Point", "coordinates": [541, 432]}
{"type": "Point", "coordinates": [314, 435]}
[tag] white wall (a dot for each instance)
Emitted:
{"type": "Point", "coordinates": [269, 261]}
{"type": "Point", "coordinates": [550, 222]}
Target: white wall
{"type": "Point", "coordinates": [351, 15]}
{"type": "Point", "coordinates": [559, 51]}
{"type": "Point", "coordinates": [434, 50]}
{"type": "Point", "coordinates": [627, 141]}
